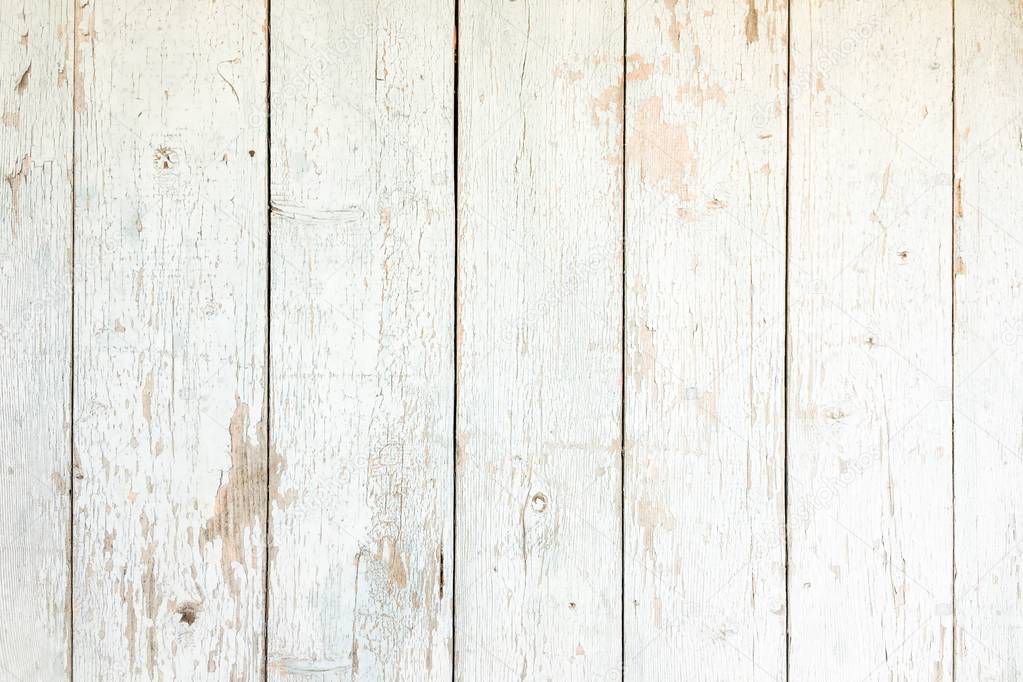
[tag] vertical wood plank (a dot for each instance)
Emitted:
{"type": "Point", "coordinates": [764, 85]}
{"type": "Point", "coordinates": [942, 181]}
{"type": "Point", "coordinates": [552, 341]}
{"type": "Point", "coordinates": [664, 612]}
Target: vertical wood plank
{"type": "Point", "coordinates": [539, 355]}
{"type": "Point", "coordinates": [989, 329]}
{"type": "Point", "coordinates": [705, 333]}
{"type": "Point", "coordinates": [870, 487]}
{"type": "Point", "coordinates": [362, 310]}
{"type": "Point", "coordinates": [35, 337]}
{"type": "Point", "coordinates": [170, 322]}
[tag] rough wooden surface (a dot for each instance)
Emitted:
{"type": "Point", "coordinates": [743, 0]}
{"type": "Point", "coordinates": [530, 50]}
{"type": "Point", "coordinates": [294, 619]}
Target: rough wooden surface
{"type": "Point", "coordinates": [170, 340]}
{"type": "Point", "coordinates": [35, 339]}
{"type": "Point", "coordinates": [538, 582]}
{"type": "Point", "coordinates": [362, 355]}
{"type": "Point", "coordinates": [488, 340]}
{"type": "Point", "coordinates": [705, 305]}
{"type": "Point", "coordinates": [989, 334]}
{"type": "Point", "coordinates": [869, 409]}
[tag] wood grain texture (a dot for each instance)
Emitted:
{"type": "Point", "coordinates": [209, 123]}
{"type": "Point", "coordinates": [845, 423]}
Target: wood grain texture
{"type": "Point", "coordinates": [989, 331]}
{"type": "Point", "coordinates": [705, 335]}
{"type": "Point", "coordinates": [35, 338]}
{"type": "Point", "coordinates": [538, 579]}
{"type": "Point", "coordinates": [870, 468]}
{"type": "Point", "coordinates": [362, 340]}
{"type": "Point", "coordinates": [170, 328]}
{"type": "Point", "coordinates": [772, 244]}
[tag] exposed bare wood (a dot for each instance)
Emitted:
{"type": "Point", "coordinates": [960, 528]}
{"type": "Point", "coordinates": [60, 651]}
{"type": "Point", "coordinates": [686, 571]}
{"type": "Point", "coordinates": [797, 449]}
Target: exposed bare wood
{"type": "Point", "coordinates": [35, 339]}
{"type": "Point", "coordinates": [362, 383]}
{"type": "Point", "coordinates": [988, 273]}
{"type": "Point", "coordinates": [170, 340]}
{"type": "Point", "coordinates": [539, 340]}
{"type": "Point", "coordinates": [869, 410]}
{"type": "Point", "coordinates": [705, 333]}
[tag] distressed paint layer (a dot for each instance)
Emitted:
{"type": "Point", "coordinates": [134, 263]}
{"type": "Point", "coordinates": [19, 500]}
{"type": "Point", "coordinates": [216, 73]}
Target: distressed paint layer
{"type": "Point", "coordinates": [539, 310]}
{"type": "Point", "coordinates": [362, 340]}
{"type": "Point", "coordinates": [705, 304]}
{"type": "Point", "coordinates": [170, 356]}
{"type": "Point", "coordinates": [35, 340]}
{"type": "Point", "coordinates": [989, 330]}
{"type": "Point", "coordinates": [870, 466]}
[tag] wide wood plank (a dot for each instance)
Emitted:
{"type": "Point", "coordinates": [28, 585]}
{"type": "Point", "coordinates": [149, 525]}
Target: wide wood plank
{"type": "Point", "coordinates": [538, 578]}
{"type": "Point", "coordinates": [988, 333]}
{"type": "Point", "coordinates": [705, 333]}
{"type": "Point", "coordinates": [362, 310]}
{"type": "Point", "coordinates": [35, 338]}
{"type": "Point", "coordinates": [170, 330]}
{"type": "Point", "coordinates": [870, 467]}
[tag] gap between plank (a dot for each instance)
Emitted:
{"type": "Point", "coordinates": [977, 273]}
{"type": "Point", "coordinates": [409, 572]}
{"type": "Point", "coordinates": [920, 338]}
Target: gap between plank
{"type": "Point", "coordinates": [454, 361]}
{"type": "Point", "coordinates": [621, 507]}
{"type": "Point", "coordinates": [952, 341]}
{"type": "Point", "coordinates": [71, 403]}
{"type": "Point", "coordinates": [266, 386]}
{"type": "Point", "coordinates": [785, 352]}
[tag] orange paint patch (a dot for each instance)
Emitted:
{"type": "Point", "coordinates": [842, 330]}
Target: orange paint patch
{"type": "Point", "coordinates": [662, 150]}
{"type": "Point", "coordinates": [649, 516]}
{"type": "Point", "coordinates": [701, 95]}
{"type": "Point", "coordinates": [641, 70]}
{"type": "Point", "coordinates": [607, 114]}
{"type": "Point", "coordinates": [565, 72]}
{"type": "Point", "coordinates": [611, 97]}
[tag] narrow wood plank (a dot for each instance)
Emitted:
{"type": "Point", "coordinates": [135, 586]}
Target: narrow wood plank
{"type": "Point", "coordinates": [989, 330]}
{"type": "Point", "coordinates": [539, 355]}
{"type": "Point", "coordinates": [362, 340]}
{"type": "Point", "coordinates": [705, 341]}
{"type": "Point", "coordinates": [870, 467]}
{"type": "Point", "coordinates": [35, 338]}
{"type": "Point", "coordinates": [170, 329]}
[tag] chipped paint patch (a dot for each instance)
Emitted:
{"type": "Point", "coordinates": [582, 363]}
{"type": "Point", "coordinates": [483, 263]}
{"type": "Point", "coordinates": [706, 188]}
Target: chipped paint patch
{"type": "Point", "coordinates": [14, 181]}
{"type": "Point", "coordinates": [240, 501]}
{"type": "Point", "coordinates": [663, 150]}
{"type": "Point", "coordinates": [752, 23]}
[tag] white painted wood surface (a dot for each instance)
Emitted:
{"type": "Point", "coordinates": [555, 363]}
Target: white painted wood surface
{"type": "Point", "coordinates": [804, 214]}
{"type": "Point", "coordinates": [989, 332]}
{"type": "Point", "coordinates": [705, 335]}
{"type": "Point", "coordinates": [869, 410]}
{"type": "Point", "coordinates": [538, 579]}
{"type": "Point", "coordinates": [170, 340]}
{"type": "Point", "coordinates": [35, 339]}
{"type": "Point", "coordinates": [362, 344]}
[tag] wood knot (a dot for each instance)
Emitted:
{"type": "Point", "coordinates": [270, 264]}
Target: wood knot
{"type": "Point", "coordinates": [187, 613]}
{"type": "Point", "coordinates": [165, 158]}
{"type": "Point", "coordinates": [539, 503]}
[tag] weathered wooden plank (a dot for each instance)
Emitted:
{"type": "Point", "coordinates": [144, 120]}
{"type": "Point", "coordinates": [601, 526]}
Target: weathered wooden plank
{"type": "Point", "coordinates": [35, 338]}
{"type": "Point", "coordinates": [538, 579]}
{"type": "Point", "coordinates": [170, 329]}
{"type": "Point", "coordinates": [988, 331]}
{"type": "Point", "coordinates": [870, 468]}
{"type": "Point", "coordinates": [362, 317]}
{"type": "Point", "coordinates": [705, 341]}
